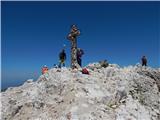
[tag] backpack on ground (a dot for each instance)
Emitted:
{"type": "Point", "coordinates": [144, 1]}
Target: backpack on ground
{"type": "Point", "coordinates": [85, 71]}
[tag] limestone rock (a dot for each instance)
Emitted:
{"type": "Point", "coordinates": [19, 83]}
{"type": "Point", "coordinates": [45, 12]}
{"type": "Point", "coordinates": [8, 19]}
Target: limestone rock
{"type": "Point", "coordinates": [111, 93]}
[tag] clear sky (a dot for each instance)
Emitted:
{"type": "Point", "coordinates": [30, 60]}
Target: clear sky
{"type": "Point", "coordinates": [33, 34]}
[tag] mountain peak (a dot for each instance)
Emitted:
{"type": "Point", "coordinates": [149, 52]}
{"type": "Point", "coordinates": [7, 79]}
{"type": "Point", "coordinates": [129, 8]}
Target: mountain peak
{"type": "Point", "coordinates": [111, 93]}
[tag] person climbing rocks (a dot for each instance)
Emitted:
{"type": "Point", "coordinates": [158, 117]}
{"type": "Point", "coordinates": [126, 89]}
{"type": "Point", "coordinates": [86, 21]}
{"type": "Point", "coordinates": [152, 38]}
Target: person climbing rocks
{"type": "Point", "coordinates": [62, 58]}
{"type": "Point", "coordinates": [44, 69]}
{"type": "Point", "coordinates": [80, 52]}
{"type": "Point", "coordinates": [144, 61]}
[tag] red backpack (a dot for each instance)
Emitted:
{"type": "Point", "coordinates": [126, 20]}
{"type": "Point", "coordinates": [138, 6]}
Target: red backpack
{"type": "Point", "coordinates": [85, 71]}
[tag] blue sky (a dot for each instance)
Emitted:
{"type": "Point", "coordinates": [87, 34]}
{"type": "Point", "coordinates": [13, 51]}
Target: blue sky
{"type": "Point", "coordinates": [33, 34]}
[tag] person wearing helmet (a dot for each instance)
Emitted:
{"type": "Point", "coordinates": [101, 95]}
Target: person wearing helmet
{"type": "Point", "coordinates": [62, 58]}
{"type": "Point", "coordinates": [44, 69]}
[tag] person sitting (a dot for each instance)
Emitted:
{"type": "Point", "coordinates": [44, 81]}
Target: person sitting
{"type": "Point", "coordinates": [104, 63]}
{"type": "Point", "coordinates": [44, 69]}
{"type": "Point", "coordinates": [55, 66]}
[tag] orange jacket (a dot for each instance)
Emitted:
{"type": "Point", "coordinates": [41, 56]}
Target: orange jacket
{"type": "Point", "coordinates": [44, 70]}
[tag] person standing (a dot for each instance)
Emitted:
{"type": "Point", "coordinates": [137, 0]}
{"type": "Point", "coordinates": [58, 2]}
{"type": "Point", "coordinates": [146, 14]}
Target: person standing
{"type": "Point", "coordinates": [62, 58]}
{"type": "Point", "coordinates": [80, 52]}
{"type": "Point", "coordinates": [144, 61]}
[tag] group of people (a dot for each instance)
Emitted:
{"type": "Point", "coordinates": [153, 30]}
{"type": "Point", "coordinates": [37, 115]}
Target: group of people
{"type": "Point", "coordinates": [80, 52]}
{"type": "Point", "coordinates": [62, 57]}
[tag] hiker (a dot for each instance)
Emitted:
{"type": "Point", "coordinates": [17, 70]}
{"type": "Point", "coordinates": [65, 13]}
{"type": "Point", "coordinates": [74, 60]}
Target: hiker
{"type": "Point", "coordinates": [55, 66]}
{"type": "Point", "coordinates": [62, 58]}
{"type": "Point", "coordinates": [44, 69]}
{"type": "Point", "coordinates": [80, 52]}
{"type": "Point", "coordinates": [144, 61]}
{"type": "Point", "coordinates": [104, 63]}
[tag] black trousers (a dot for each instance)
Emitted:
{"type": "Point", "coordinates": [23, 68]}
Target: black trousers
{"type": "Point", "coordinates": [144, 64]}
{"type": "Point", "coordinates": [79, 60]}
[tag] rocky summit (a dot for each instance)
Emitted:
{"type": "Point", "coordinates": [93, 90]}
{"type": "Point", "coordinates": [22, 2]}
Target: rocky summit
{"type": "Point", "coordinates": [111, 93]}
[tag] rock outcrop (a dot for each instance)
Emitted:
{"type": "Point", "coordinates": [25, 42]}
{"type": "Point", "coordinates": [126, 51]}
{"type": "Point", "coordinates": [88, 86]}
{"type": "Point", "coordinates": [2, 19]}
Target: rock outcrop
{"type": "Point", "coordinates": [111, 93]}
